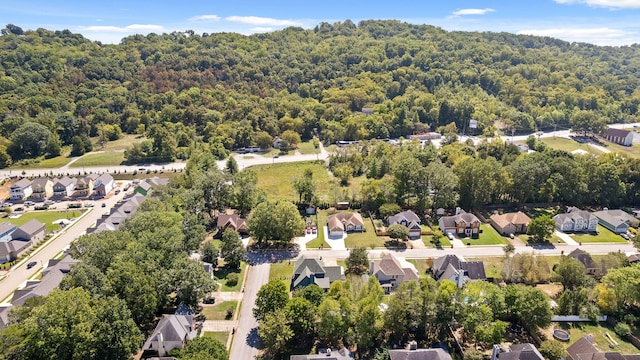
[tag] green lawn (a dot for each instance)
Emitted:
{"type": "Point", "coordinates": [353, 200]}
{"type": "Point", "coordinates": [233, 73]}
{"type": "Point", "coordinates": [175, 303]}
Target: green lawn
{"type": "Point", "coordinates": [494, 265]}
{"type": "Point", "coordinates": [367, 239]}
{"type": "Point", "coordinates": [221, 336]}
{"type": "Point", "coordinates": [123, 143]}
{"type": "Point", "coordinates": [632, 151]}
{"type": "Point", "coordinates": [277, 180]}
{"type": "Point", "coordinates": [568, 145]}
{"type": "Point", "coordinates": [222, 272]}
{"type": "Point", "coordinates": [578, 330]}
{"type": "Point", "coordinates": [422, 265]}
{"type": "Point", "coordinates": [444, 242]}
{"type": "Point", "coordinates": [45, 217]}
{"type": "Point", "coordinates": [489, 236]}
{"type": "Point", "coordinates": [56, 162]}
{"type": "Point", "coordinates": [319, 241]}
{"type": "Point", "coordinates": [281, 271]}
{"type": "Point", "coordinates": [273, 152]}
{"type": "Point", "coordinates": [307, 148]}
{"type": "Point", "coordinates": [603, 235]}
{"type": "Point", "coordinates": [219, 310]}
{"type": "Point", "coordinates": [99, 159]}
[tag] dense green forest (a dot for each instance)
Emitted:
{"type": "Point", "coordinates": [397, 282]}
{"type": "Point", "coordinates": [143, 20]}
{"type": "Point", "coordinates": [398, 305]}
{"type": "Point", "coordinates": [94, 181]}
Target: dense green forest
{"type": "Point", "coordinates": [225, 91]}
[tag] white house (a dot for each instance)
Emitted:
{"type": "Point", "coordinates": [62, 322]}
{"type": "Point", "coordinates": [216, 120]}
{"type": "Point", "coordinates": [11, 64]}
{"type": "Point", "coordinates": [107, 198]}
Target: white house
{"type": "Point", "coordinates": [340, 223]}
{"type": "Point", "coordinates": [20, 190]}
{"type": "Point", "coordinates": [103, 185]}
{"type": "Point", "coordinates": [410, 220]}
{"type": "Point", "coordinates": [576, 220]}
{"type": "Point", "coordinates": [172, 332]}
{"type": "Point", "coordinates": [63, 187]}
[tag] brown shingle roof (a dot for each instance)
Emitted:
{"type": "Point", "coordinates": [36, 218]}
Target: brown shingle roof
{"type": "Point", "coordinates": [617, 132]}
{"type": "Point", "coordinates": [511, 218]}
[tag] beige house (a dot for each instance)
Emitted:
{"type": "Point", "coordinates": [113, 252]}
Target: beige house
{"type": "Point", "coordinates": [510, 223]}
{"type": "Point", "coordinates": [84, 185]}
{"type": "Point", "coordinates": [346, 222]}
{"type": "Point", "coordinates": [391, 272]}
{"type": "Point", "coordinates": [41, 189]}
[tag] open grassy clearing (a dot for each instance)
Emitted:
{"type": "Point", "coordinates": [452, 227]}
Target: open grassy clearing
{"type": "Point", "coordinates": [632, 151]}
{"type": "Point", "coordinates": [277, 180]}
{"type": "Point", "coordinates": [281, 271]}
{"type": "Point", "coordinates": [307, 148]}
{"type": "Point", "coordinates": [277, 152]}
{"type": "Point", "coordinates": [221, 336]}
{"type": "Point", "coordinates": [603, 235]}
{"type": "Point", "coordinates": [568, 145]}
{"type": "Point", "coordinates": [45, 217]}
{"type": "Point", "coordinates": [219, 310]}
{"type": "Point", "coordinates": [111, 158]}
{"type": "Point", "coordinates": [125, 142]}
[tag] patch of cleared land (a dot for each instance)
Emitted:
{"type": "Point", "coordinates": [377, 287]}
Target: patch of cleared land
{"type": "Point", "coordinates": [45, 217]}
{"type": "Point", "coordinates": [277, 180]}
{"type": "Point", "coordinates": [111, 158]}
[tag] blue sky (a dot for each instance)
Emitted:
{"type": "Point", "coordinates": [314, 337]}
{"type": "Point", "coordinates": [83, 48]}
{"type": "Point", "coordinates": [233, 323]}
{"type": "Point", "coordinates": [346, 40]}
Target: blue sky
{"type": "Point", "coordinates": [602, 22]}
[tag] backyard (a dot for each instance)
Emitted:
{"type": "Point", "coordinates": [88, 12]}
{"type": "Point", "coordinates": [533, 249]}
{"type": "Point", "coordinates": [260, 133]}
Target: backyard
{"type": "Point", "coordinates": [603, 235]}
{"type": "Point", "coordinates": [579, 330]}
{"type": "Point", "coordinates": [277, 180]}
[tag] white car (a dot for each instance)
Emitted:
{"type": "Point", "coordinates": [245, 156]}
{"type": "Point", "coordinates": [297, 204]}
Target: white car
{"type": "Point", "coordinates": [49, 202]}
{"type": "Point", "coordinates": [88, 205]}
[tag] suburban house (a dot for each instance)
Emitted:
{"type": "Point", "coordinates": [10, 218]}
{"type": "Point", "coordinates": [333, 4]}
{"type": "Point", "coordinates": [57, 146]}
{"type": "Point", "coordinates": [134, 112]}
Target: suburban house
{"type": "Point", "coordinates": [41, 189]}
{"type": "Point", "coordinates": [143, 188]}
{"type": "Point", "coordinates": [84, 185]}
{"type": "Point", "coordinates": [326, 354]}
{"type": "Point", "coordinates": [510, 223]}
{"type": "Point", "coordinates": [413, 353]}
{"type": "Point", "coordinates": [340, 223]}
{"type": "Point", "coordinates": [277, 143]}
{"type": "Point", "coordinates": [16, 240]}
{"type": "Point", "coordinates": [410, 220]}
{"type": "Point", "coordinates": [456, 269]}
{"type": "Point", "coordinates": [233, 221]}
{"type": "Point", "coordinates": [307, 271]}
{"type": "Point", "coordinates": [590, 267]}
{"type": "Point", "coordinates": [462, 223]}
{"type": "Point", "coordinates": [584, 349]}
{"type": "Point", "coordinates": [617, 221]}
{"type": "Point", "coordinates": [576, 220]}
{"type": "Point", "coordinates": [63, 188]}
{"type": "Point", "coordinates": [103, 185]}
{"type": "Point", "coordinates": [391, 272]}
{"type": "Point", "coordinates": [525, 351]}
{"type": "Point", "coordinates": [172, 332]}
{"type": "Point", "coordinates": [51, 277]}
{"type": "Point", "coordinates": [619, 136]}
{"type": "Point", "coordinates": [118, 215]}
{"type": "Point", "coordinates": [20, 190]}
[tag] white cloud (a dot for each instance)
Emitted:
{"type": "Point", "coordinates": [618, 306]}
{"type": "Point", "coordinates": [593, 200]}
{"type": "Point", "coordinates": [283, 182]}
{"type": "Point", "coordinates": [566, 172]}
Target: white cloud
{"type": "Point", "coordinates": [598, 36]}
{"type": "Point", "coordinates": [463, 12]}
{"type": "Point", "coordinates": [123, 29]}
{"type": "Point", "coordinates": [263, 21]}
{"type": "Point", "coordinates": [614, 4]}
{"type": "Point", "coordinates": [205, 18]}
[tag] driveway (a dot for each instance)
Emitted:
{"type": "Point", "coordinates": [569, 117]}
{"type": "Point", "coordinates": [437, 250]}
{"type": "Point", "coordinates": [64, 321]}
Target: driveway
{"type": "Point", "coordinates": [247, 342]}
{"type": "Point", "coordinates": [566, 238]}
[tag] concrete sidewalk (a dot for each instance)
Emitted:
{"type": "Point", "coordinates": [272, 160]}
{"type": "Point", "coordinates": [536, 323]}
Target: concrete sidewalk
{"type": "Point", "coordinates": [566, 238]}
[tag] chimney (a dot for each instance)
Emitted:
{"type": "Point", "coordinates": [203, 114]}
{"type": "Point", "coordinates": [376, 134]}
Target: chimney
{"type": "Point", "coordinates": [458, 210]}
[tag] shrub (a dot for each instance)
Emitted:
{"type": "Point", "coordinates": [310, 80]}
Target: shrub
{"type": "Point", "coordinates": [229, 314]}
{"type": "Point", "coordinates": [622, 329]}
{"type": "Point", "coordinates": [232, 279]}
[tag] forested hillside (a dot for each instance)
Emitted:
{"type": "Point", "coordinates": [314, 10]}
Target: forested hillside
{"type": "Point", "coordinates": [229, 91]}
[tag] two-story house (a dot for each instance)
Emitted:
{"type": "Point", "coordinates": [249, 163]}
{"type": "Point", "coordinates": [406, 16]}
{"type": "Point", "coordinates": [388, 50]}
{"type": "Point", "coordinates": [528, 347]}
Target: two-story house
{"type": "Point", "coordinates": [103, 185]}
{"type": "Point", "coordinates": [463, 223]}
{"type": "Point", "coordinates": [20, 190]}
{"type": "Point", "coordinates": [410, 220]}
{"type": "Point", "coordinates": [307, 271]}
{"type": "Point", "coordinates": [42, 189]}
{"type": "Point", "coordinates": [84, 185]}
{"type": "Point", "coordinates": [63, 188]}
{"type": "Point", "coordinates": [576, 220]}
{"type": "Point", "coordinates": [390, 272]}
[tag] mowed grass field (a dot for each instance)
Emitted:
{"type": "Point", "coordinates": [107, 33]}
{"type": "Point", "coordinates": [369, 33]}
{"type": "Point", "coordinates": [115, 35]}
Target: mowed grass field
{"type": "Point", "coordinates": [111, 158]}
{"type": "Point", "coordinates": [603, 235]}
{"type": "Point", "coordinates": [123, 143]}
{"type": "Point", "coordinates": [568, 145]}
{"type": "Point", "coordinates": [45, 217]}
{"type": "Point", "coordinates": [277, 180]}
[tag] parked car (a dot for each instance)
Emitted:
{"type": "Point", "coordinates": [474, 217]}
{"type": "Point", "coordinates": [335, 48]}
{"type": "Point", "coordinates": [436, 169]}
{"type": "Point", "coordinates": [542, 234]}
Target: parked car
{"type": "Point", "coordinates": [31, 264]}
{"type": "Point", "coordinates": [117, 191]}
{"type": "Point", "coordinates": [7, 204]}
{"type": "Point", "coordinates": [104, 205]}
{"type": "Point", "coordinates": [19, 208]}
{"type": "Point", "coordinates": [209, 300]}
{"type": "Point", "coordinates": [29, 202]}
{"type": "Point", "coordinates": [88, 204]}
{"type": "Point", "coordinates": [625, 236]}
{"type": "Point", "coordinates": [49, 202]}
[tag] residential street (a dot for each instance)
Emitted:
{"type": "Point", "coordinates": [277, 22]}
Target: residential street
{"type": "Point", "coordinates": [246, 342]}
{"type": "Point", "coordinates": [18, 275]}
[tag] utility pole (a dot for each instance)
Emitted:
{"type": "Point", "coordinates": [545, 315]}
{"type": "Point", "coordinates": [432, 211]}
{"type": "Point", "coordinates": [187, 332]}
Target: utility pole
{"type": "Point", "coordinates": [554, 130]}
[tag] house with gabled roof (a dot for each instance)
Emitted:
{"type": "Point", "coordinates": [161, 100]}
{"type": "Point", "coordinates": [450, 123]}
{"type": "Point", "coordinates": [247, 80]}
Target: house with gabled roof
{"type": "Point", "coordinates": [525, 351]}
{"type": "Point", "coordinates": [103, 185]}
{"type": "Point", "coordinates": [84, 185]}
{"type": "Point", "coordinates": [63, 188]}
{"type": "Point", "coordinates": [307, 271]}
{"type": "Point", "coordinates": [344, 222]}
{"type": "Point", "coordinates": [462, 223]}
{"type": "Point", "coordinates": [16, 240]}
{"type": "Point", "coordinates": [510, 223]}
{"type": "Point", "coordinates": [41, 189]}
{"type": "Point", "coordinates": [585, 349]}
{"type": "Point", "coordinates": [617, 220]}
{"type": "Point", "coordinates": [20, 190]}
{"type": "Point", "coordinates": [391, 272]}
{"type": "Point", "coordinates": [413, 353]}
{"type": "Point", "coordinates": [590, 266]}
{"type": "Point", "coordinates": [143, 188]}
{"type": "Point", "coordinates": [576, 220]}
{"type": "Point", "coordinates": [619, 136]}
{"type": "Point", "coordinates": [234, 221]}
{"type": "Point", "coordinates": [172, 332]}
{"type": "Point", "coordinates": [457, 269]}
{"type": "Point", "coordinates": [410, 220]}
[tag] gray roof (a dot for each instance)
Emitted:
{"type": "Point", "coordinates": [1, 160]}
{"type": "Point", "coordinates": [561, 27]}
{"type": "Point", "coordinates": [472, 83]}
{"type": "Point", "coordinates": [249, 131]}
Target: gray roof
{"type": "Point", "coordinates": [4, 316]}
{"type": "Point", "coordinates": [66, 181]}
{"type": "Point", "coordinates": [419, 354]}
{"type": "Point", "coordinates": [407, 218]}
{"type": "Point", "coordinates": [144, 186]}
{"type": "Point", "coordinates": [307, 268]}
{"type": "Point", "coordinates": [583, 257]}
{"type": "Point", "coordinates": [452, 221]}
{"type": "Point", "coordinates": [172, 328]}
{"type": "Point", "coordinates": [342, 354]}
{"type": "Point", "coordinates": [572, 214]}
{"type": "Point", "coordinates": [102, 179]}
{"type": "Point", "coordinates": [617, 132]}
{"type": "Point", "coordinates": [521, 352]}
{"type": "Point", "coordinates": [616, 217]}
{"type": "Point", "coordinates": [445, 265]}
{"type": "Point", "coordinates": [40, 182]}
{"type": "Point", "coordinates": [584, 345]}
{"type": "Point", "coordinates": [6, 227]}
{"type": "Point", "coordinates": [158, 181]}
{"type": "Point", "coordinates": [21, 184]}
{"type": "Point", "coordinates": [51, 278]}
{"type": "Point", "coordinates": [31, 227]}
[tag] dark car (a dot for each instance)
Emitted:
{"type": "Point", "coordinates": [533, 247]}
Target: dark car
{"type": "Point", "coordinates": [209, 300]}
{"type": "Point", "coordinates": [31, 264]}
{"type": "Point", "coordinates": [104, 205]}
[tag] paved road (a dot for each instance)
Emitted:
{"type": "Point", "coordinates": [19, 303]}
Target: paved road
{"type": "Point", "coordinates": [18, 275]}
{"type": "Point", "coordinates": [246, 342]}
